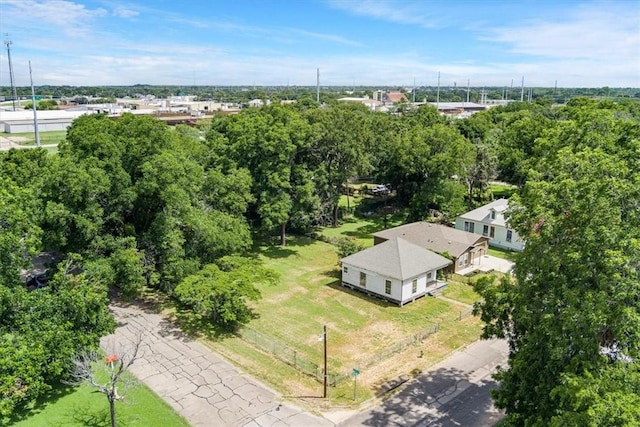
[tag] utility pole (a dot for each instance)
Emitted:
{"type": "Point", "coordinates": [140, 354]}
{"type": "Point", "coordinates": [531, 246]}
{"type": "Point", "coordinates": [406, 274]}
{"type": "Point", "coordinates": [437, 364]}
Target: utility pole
{"type": "Point", "coordinates": [35, 109]}
{"type": "Point", "coordinates": [438, 93]}
{"type": "Point", "coordinates": [414, 91]}
{"type": "Point", "coordinates": [522, 91]}
{"type": "Point", "coordinates": [468, 89]}
{"type": "Point", "coordinates": [11, 78]}
{"type": "Point", "coordinates": [318, 85]}
{"type": "Point", "coordinates": [324, 336]}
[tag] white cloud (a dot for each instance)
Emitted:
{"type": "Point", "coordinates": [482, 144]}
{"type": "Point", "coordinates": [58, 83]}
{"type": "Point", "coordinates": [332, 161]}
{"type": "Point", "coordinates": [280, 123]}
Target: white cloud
{"type": "Point", "coordinates": [592, 32]}
{"type": "Point", "coordinates": [327, 37]}
{"type": "Point", "coordinates": [70, 17]}
{"type": "Point", "coordinates": [405, 13]}
{"type": "Point", "coordinates": [123, 12]}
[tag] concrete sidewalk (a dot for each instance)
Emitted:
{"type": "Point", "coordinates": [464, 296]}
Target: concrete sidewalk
{"type": "Point", "coordinates": [197, 383]}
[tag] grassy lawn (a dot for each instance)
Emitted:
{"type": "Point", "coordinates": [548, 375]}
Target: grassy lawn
{"type": "Point", "coordinates": [502, 189]}
{"type": "Point", "coordinates": [361, 228]}
{"type": "Point", "coordinates": [461, 292]}
{"type": "Point", "coordinates": [504, 254]}
{"type": "Point", "coordinates": [310, 296]}
{"type": "Point", "coordinates": [84, 406]}
{"type": "Point", "coordinates": [46, 138]}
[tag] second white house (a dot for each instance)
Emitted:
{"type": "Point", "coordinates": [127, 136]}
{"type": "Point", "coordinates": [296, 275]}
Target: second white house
{"type": "Point", "coordinates": [489, 221]}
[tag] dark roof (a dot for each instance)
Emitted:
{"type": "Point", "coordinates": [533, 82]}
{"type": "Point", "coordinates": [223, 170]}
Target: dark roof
{"type": "Point", "coordinates": [436, 237]}
{"type": "Point", "coordinates": [397, 259]}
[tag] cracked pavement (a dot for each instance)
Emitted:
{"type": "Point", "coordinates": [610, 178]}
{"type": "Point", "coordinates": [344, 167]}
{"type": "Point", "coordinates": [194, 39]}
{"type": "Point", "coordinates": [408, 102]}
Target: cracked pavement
{"type": "Point", "coordinates": [197, 383]}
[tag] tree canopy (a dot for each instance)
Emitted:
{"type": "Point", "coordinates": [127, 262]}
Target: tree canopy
{"type": "Point", "coordinates": [572, 312]}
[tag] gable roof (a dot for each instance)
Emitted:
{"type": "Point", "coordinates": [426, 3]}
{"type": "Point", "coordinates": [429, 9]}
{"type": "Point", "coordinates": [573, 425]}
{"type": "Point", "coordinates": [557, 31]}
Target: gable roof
{"type": "Point", "coordinates": [436, 237]}
{"type": "Point", "coordinates": [483, 213]}
{"type": "Point", "coordinates": [397, 259]}
{"type": "Point", "coordinates": [394, 96]}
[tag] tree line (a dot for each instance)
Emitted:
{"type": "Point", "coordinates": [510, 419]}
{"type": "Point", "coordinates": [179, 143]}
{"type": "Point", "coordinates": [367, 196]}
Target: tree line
{"type": "Point", "coordinates": [132, 203]}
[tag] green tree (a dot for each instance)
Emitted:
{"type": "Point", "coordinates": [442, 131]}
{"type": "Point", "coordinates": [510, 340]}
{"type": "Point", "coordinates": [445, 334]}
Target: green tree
{"type": "Point", "coordinates": [40, 331]}
{"type": "Point", "coordinates": [340, 150]}
{"type": "Point", "coordinates": [221, 291]}
{"type": "Point", "coordinates": [572, 316]}
{"type": "Point", "coordinates": [19, 232]}
{"type": "Point", "coordinates": [272, 143]}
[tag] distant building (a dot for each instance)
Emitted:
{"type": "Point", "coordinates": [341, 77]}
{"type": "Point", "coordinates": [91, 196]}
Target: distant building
{"type": "Point", "coordinates": [372, 104]}
{"type": "Point", "coordinates": [394, 97]}
{"type": "Point", "coordinates": [21, 121]}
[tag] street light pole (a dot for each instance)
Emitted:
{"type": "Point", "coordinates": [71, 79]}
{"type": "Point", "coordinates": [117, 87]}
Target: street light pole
{"type": "Point", "coordinates": [325, 361]}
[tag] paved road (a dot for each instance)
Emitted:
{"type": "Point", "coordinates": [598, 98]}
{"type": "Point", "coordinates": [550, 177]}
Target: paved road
{"type": "Point", "coordinates": [454, 393]}
{"type": "Point", "coordinates": [198, 384]}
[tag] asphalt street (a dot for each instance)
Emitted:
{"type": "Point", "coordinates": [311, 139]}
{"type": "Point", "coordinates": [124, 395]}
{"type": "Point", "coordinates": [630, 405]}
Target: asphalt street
{"type": "Point", "coordinates": [455, 392]}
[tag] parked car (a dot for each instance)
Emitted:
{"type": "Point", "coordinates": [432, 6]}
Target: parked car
{"type": "Point", "coordinates": [382, 189]}
{"type": "Point", "coordinates": [37, 281]}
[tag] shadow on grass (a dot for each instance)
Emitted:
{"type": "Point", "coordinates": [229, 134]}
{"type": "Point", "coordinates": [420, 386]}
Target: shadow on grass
{"type": "Point", "coordinates": [91, 417]}
{"type": "Point", "coordinates": [337, 285]}
{"type": "Point", "coordinates": [57, 391]}
{"type": "Point", "coordinates": [277, 252]}
{"type": "Point", "coordinates": [272, 249]}
{"type": "Point", "coordinates": [186, 325]}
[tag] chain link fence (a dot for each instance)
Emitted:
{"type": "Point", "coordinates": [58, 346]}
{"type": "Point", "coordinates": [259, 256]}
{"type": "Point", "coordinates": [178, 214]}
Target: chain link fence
{"type": "Point", "coordinates": [293, 358]}
{"type": "Point", "coordinates": [290, 356]}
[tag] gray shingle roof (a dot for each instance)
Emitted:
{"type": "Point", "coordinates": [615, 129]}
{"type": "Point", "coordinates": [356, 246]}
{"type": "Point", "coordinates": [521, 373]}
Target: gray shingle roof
{"type": "Point", "coordinates": [482, 214]}
{"type": "Point", "coordinates": [436, 237]}
{"type": "Point", "coordinates": [397, 259]}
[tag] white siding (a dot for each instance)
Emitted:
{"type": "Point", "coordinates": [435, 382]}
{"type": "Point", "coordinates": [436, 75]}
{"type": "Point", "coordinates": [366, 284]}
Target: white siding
{"type": "Point", "coordinates": [500, 234]}
{"type": "Point", "coordinates": [375, 283]}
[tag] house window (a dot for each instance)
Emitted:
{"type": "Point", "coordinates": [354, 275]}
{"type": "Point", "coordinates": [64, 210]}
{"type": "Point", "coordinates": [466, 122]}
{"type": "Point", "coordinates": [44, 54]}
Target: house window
{"type": "Point", "coordinates": [430, 275]}
{"type": "Point", "coordinates": [509, 235]}
{"type": "Point", "coordinates": [387, 287]}
{"type": "Point", "coordinates": [345, 269]}
{"type": "Point", "coordinates": [363, 279]}
{"type": "Point", "coordinates": [485, 230]}
{"type": "Point", "coordinates": [492, 232]}
{"type": "Point", "coordinates": [493, 214]}
{"type": "Point", "coordinates": [463, 260]}
{"type": "Point", "coordinates": [469, 226]}
{"type": "Point", "coordinates": [414, 286]}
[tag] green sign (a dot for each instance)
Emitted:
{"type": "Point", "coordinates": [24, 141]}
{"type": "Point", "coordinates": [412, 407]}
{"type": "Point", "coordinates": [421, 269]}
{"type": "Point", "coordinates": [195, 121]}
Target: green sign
{"type": "Point", "coordinates": [38, 97]}
{"type": "Point", "coordinates": [355, 373]}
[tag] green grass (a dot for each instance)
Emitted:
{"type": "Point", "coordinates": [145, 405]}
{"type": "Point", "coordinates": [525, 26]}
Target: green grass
{"type": "Point", "coordinates": [362, 229]}
{"type": "Point", "coordinates": [461, 292]}
{"type": "Point", "coordinates": [84, 406]}
{"type": "Point", "coordinates": [504, 254]}
{"type": "Point", "coordinates": [310, 296]}
{"type": "Point", "coordinates": [46, 138]}
{"type": "Point", "coordinates": [500, 190]}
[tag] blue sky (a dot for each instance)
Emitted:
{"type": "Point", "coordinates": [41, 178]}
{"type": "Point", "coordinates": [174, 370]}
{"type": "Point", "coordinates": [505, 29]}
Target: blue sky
{"type": "Point", "coordinates": [366, 42]}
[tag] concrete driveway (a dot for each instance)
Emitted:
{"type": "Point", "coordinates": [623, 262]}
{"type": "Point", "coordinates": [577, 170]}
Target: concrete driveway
{"type": "Point", "coordinates": [454, 393]}
{"type": "Point", "coordinates": [198, 384]}
{"type": "Point", "coordinates": [488, 263]}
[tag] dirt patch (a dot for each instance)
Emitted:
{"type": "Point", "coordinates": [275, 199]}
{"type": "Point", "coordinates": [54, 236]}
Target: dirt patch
{"type": "Point", "coordinates": [18, 139]}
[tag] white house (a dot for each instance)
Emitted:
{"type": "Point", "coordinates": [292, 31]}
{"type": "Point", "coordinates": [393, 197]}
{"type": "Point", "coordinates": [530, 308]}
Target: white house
{"type": "Point", "coordinates": [395, 270]}
{"type": "Point", "coordinates": [465, 249]}
{"type": "Point", "coordinates": [489, 221]}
